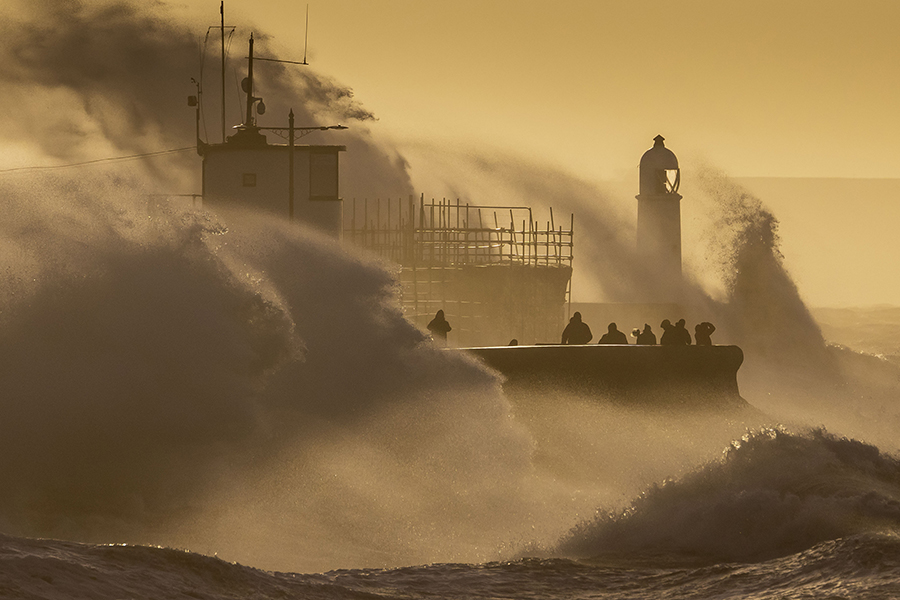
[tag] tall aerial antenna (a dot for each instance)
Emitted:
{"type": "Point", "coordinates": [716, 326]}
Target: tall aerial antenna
{"type": "Point", "coordinates": [222, 13]}
{"type": "Point", "coordinates": [247, 84]}
{"type": "Point", "coordinates": [306, 37]}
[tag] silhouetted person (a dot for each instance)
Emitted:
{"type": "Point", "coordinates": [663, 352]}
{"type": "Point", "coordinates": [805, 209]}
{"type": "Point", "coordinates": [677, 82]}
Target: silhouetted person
{"type": "Point", "coordinates": [702, 333]}
{"type": "Point", "coordinates": [439, 327]}
{"type": "Point", "coordinates": [669, 336]}
{"type": "Point", "coordinates": [613, 336]}
{"type": "Point", "coordinates": [646, 337]}
{"type": "Point", "coordinates": [683, 336]}
{"type": "Point", "coordinates": [577, 331]}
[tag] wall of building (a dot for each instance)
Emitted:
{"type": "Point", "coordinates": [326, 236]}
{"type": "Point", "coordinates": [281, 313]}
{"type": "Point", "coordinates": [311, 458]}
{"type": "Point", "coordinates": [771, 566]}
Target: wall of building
{"type": "Point", "coordinates": [258, 177]}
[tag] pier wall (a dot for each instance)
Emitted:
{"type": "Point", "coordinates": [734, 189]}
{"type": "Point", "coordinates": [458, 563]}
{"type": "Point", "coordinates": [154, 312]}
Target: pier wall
{"type": "Point", "coordinates": [674, 375]}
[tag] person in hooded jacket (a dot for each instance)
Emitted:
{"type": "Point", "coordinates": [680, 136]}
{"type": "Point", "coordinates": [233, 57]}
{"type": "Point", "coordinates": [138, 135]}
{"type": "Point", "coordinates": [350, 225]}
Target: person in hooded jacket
{"type": "Point", "coordinates": [577, 331]}
{"type": "Point", "coordinates": [439, 327]}
{"type": "Point", "coordinates": [683, 336]}
{"type": "Point", "coordinates": [613, 336]}
{"type": "Point", "coordinates": [646, 337]}
{"type": "Point", "coordinates": [669, 335]}
{"type": "Point", "coordinates": [702, 333]}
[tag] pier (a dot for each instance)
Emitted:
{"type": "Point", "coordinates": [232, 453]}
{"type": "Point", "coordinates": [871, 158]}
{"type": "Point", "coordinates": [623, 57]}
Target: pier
{"type": "Point", "coordinates": [673, 375]}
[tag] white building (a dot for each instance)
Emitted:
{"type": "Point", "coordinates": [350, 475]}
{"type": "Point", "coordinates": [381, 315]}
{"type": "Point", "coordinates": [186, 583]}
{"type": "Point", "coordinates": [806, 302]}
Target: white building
{"type": "Point", "coordinates": [248, 171]}
{"type": "Point", "coordinates": [299, 182]}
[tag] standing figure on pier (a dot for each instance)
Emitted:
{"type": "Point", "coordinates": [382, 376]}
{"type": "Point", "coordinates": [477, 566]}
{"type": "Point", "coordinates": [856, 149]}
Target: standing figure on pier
{"type": "Point", "coordinates": [613, 336]}
{"type": "Point", "coordinates": [577, 331]}
{"type": "Point", "coordinates": [669, 337]}
{"type": "Point", "coordinates": [646, 337]}
{"type": "Point", "coordinates": [439, 327]}
{"type": "Point", "coordinates": [682, 335]}
{"type": "Point", "coordinates": [702, 333]}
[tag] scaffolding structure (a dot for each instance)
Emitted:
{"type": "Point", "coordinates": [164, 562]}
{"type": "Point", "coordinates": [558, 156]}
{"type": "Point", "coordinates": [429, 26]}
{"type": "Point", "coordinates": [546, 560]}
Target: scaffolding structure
{"type": "Point", "coordinates": [496, 273]}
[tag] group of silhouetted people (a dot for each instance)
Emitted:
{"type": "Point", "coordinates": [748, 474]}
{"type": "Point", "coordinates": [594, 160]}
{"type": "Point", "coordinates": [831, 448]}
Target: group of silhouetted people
{"type": "Point", "coordinates": [674, 335]}
{"type": "Point", "coordinates": [578, 332]}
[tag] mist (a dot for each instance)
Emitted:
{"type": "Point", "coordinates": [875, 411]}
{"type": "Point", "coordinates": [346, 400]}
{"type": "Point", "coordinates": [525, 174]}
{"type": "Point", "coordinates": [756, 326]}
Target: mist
{"type": "Point", "coordinates": [735, 277]}
{"type": "Point", "coordinates": [236, 385]}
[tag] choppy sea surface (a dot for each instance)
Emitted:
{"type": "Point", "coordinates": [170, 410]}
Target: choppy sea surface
{"type": "Point", "coordinates": [860, 566]}
{"type": "Point", "coordinates": [779, 516]}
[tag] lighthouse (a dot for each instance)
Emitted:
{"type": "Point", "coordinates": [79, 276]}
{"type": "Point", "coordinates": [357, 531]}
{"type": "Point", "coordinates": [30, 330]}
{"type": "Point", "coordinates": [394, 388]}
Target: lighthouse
{"type": "Point", "coordinates": [659, 223]}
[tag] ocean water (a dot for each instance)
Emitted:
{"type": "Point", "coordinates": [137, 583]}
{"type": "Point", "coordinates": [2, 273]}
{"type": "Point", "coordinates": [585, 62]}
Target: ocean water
{"type": "Point", "coordinates": [779, 516]}
{"type": "Point", "coordinates": [863, 566]}
{"type": "Point", "coordinates": [217, 404]}
{"type": "Point", "coordinates": [745, 528]}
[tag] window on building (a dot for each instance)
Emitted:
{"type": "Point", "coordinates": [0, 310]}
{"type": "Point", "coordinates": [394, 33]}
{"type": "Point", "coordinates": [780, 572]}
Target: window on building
{"type": "Point", "coordinates": [323, 176]}
{"type": "Point", "coordinates": [249, 179]}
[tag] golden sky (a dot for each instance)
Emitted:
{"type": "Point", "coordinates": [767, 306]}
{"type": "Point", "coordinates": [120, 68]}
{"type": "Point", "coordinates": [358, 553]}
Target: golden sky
{"type": "Point", "coordinates": [785, 88]}
{"type": "Point", "coordinates": [761, 88]}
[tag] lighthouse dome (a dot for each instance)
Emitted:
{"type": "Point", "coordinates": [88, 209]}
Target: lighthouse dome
{"type": "Point", "coordinates": [659, 169]}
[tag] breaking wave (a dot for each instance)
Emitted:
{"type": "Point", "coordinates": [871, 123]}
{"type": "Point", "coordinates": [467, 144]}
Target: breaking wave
{"type": "Point", "coordinates": [773, 494]}
{"type": "Point", "coordinates": [178, 379]}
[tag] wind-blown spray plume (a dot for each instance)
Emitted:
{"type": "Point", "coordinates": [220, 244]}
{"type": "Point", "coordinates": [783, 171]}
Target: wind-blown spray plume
{"type": "Point", "coordinates": [88, 81]}
{"type": "Point", "coordinates": [180, 378]}
{"type": "Point", "coordinates": [763, 306]}
{"type": "Point", "coordinates": [174, 381]}
{"type": "Point", "coordinates": [740, 282]}
{"type": "Point", "coordinates": [605, 260]}
{"type": "Point", "coordinates": [761, 310]}
{"type": "Point", "coordinates": [131, 358]}
{"type": "Point", "coordinates": [772, 495]}
{"type": "Point", "coordinates": [369, 168]}
{"type": "Point", "coordinates": [789, 369]}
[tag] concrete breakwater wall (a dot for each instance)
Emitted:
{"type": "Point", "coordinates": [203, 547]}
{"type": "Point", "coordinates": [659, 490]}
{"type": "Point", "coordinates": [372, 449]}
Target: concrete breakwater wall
{"type": "Point", "coordinates": [700, 376]}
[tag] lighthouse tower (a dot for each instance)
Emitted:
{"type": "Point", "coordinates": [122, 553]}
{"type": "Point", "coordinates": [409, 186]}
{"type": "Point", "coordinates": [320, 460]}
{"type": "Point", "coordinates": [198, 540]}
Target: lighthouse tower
{"type": "Point", "coordinates": [659, 222]}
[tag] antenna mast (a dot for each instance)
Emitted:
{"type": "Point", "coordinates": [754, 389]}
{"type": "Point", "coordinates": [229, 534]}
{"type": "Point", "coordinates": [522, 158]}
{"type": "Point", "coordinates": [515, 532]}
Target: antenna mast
{"type": "Point", "coordinates": [250, 99]}
{"type": "Point", "coordinates": [306, 37]}
{"type": "Point", "coordinates": [222, 13]}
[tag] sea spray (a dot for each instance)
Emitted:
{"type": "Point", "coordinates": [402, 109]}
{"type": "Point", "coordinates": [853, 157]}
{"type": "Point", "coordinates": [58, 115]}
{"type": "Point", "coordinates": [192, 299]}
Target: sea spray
{"type": "Point", "coordinates": [234, 384]}
{"type": "Point", "coordinates": [247, 389]}
{"type": "Point", "coordinates": [131, 357]}
{"type": "Point", "coordinates": [773, 494]}
{"type": "Point", "coordinates": [735, 277]}
{"type": "Point", "coordinates": [229, 383]}
{"type": "Point", "coordinates": [107, 79]}
{"type": "Point", "coordinates": [763, 307]}
{"type": "Point", "coordinates": [789, 370]}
